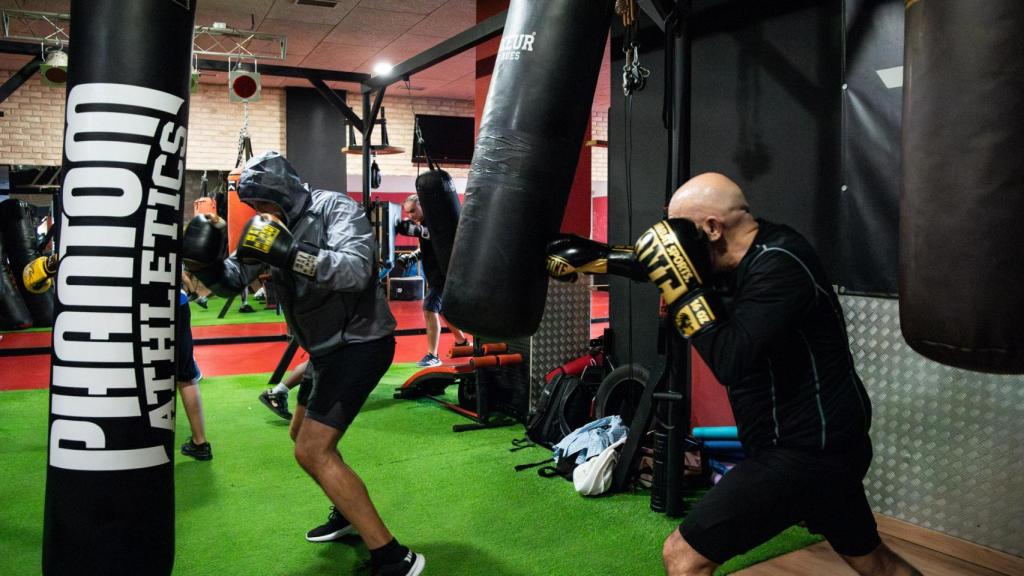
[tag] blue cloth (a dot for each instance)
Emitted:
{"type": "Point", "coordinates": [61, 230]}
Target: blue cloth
{"type": "Point", "coordinates": [590, 440]}
{"type": "Point", "coordinates": [182, 298]}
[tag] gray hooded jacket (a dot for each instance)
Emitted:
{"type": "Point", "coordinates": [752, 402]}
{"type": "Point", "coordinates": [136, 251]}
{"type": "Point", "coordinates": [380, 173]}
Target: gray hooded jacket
{"type": "Point", "coordinates": [344, 304]}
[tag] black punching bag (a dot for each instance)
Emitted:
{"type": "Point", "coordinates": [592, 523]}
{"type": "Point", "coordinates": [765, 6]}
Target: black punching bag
{"type": "Point", "coordinates": [19, 234]}
{"type": "Point", "coordinates": [440, 202]}
{"type": "Point", "coordinates": [110, 475]}
{"type": "Point", "coordinates": [537, 111]}
{"type": "Point", "coordinates": [13, 313]}
{"type": "Point", "coordinates": [962, 206]}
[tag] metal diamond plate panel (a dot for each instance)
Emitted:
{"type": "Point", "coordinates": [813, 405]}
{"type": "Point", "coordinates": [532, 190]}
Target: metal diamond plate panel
{"type": "Point", "coordinates": [564, 332]}
{"type": "Point", "coordinates": [949, 443]}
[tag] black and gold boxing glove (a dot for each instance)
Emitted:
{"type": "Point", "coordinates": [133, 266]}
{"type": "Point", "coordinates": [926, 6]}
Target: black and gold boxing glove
{"type": "Point", "coordinates": [676, 257]}
{"type": "Point", "coordinates": [38, 274]}
{"type": "Point", "coordinates": [266, 240]}
{"type": "Point", "coordinates": [569, 256]}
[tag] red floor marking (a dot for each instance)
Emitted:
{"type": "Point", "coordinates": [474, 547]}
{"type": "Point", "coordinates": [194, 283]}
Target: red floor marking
{"type": "Point", "coordinates": [25, 340]}
{"type": "Point", "coordinates": [33, 372]}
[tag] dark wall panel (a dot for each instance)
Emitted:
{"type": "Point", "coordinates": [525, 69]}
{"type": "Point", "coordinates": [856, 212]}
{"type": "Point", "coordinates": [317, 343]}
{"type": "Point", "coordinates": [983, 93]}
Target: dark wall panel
{"type": "Point", "coordinates": [316, 134]}
{"type": "Point", "coordinates": [766, 109]}
{"type": "Point", "coordinates": [872, 101]}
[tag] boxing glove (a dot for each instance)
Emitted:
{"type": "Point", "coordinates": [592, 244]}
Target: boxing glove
{"type": "Point", "coordinates": [410, 228]}
{"type": "Point", "coordinates": [403, 262]}
{"type": "Point", "coordinates": [569, 256]}
{"type": "Point", "coordinates": [204, 242]}
{"type": "Point", "coordinates": [37, 275]}
{"type": "Point", "coordinates": [676, 257]}
{"type": "Point", "coordinates": [266, 240]}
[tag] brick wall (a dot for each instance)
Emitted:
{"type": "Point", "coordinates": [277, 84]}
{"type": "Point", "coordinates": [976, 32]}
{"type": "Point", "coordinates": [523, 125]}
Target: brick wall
{"type": "Point", "coordinates": [31, 130]}
{"type": "Point", "coordinates": [599, 156]}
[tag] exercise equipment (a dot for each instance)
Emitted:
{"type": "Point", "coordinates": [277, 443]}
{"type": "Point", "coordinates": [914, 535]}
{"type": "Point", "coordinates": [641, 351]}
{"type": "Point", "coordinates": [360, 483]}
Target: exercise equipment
{"type": "Point", "coordinates": [440, 203]}
{"type": "Point", "coordinates": [716, 433]}
{"type": "Point", "coordinates": [110, 470]}
{"type": "Point", "coordinates": [14, 315]}
{"type": "Point", "coordinates": [524, 162]}
{"type": "Point", "coordinates": [960, 209]}
{"type": "Point", "coordinates": [473, 397]}
{"type": "Point", "coordinates": [20, 243]}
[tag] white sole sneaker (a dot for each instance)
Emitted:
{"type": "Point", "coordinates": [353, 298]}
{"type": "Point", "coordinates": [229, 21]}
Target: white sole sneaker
{"type": "Point", "coordinates": [330, 536]}
{"type": "Point", "coordinates": [417, 566]}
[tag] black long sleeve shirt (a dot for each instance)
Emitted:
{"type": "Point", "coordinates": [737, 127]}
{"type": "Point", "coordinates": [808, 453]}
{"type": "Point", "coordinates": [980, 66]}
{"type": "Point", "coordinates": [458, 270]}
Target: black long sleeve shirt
{"type": "Point", "coordinates": [782, 351]}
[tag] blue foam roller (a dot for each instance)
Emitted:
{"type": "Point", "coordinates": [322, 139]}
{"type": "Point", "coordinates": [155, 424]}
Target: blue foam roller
{"type": "Point", "coordinates": [716, 433]}
{"type": "Point", "coordinates": [723, 445]}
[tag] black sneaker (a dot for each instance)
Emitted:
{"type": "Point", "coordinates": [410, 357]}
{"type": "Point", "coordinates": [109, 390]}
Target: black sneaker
{"type": "Point", "coordinates": [246, 308]}
{"type": "Point", "coordinates": [202, 302]}
{"type": "Point", "coordinates": [197, 451]}
{"type": "Point", "coordinates": [277, 402]}
{"type": "Point", "coordinates": [335, 528]}
{"type": "Point", "coordinates": [411, 565]}
{"type": "Point", "coordinates": [429, 360]}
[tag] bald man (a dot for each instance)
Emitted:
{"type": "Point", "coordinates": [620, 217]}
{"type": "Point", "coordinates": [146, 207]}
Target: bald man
{"type": "Point", "coordinates": [773, 333]}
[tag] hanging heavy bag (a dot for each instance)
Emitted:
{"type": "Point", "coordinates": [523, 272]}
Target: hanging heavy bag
{"type": "Point", "coordinates": [13, 313]}
{"type": "Point", "coordinates": [440, 203]}
{"type": "Point", "coordinates": [19, 233]}
{"type": "Point", "coordinates": [961, 272]}
{"type": "Point", "coordinates": [531, 132]}
{"type": "Point", "coordinates": [110, 465]}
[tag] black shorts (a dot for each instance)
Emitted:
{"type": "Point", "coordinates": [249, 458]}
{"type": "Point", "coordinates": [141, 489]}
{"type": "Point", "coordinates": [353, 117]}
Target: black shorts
{"type": "Point", "coordinates": [305, 387]}
{"type": "Point", "coordinates": [343, 379]}
{"type": "Point", "coordinates": [778, 488]}
{"type": "Point", "coordinates": [187, 369]}
{"type": "Point", "coordinates": [432, 299]}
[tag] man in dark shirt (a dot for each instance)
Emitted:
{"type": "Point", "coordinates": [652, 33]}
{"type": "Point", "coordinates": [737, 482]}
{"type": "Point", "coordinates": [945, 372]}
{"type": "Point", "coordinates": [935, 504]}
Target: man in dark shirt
{"type": "Point", "coordinates": [780, 348]}
{"type": "Point", "coordinates": [772, 331]}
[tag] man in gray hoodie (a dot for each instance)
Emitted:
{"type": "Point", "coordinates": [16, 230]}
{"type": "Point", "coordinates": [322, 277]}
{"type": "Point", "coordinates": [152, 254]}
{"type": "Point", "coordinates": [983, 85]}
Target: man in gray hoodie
{"type": "Point", "coordinates": [320, 248]}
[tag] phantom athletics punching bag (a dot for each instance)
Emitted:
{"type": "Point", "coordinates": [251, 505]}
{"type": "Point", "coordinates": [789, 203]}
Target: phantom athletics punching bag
{"type": "Point", "coordinates": [962, 205]}
{"type": "Point", "coordinates": [110, 476]}
{"type": "Point", "coordinates": [531, 132]}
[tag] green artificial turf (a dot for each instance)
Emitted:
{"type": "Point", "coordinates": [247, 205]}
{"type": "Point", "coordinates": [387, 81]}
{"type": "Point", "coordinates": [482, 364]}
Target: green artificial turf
{"type": "Point", "coordinates": [208, 316]}
{"type": "Point", "coordinates": [453, 497]}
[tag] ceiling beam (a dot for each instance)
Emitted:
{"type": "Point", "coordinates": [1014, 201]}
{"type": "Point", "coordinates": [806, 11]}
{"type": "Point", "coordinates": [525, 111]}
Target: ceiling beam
{"type": "Point", "coordinates": [455, 45]}
{"type": "Point", "coordinates": [338, 102]}
{"type": "Point", "coordinates": [19, 77]}
{"type": "Point", "coordinates": [291, 72]}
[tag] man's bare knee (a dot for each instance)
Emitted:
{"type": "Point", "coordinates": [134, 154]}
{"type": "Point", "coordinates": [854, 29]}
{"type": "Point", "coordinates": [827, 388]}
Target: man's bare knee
{"type": "Point", "coordinates": [310, 458]}
{"type": "Point", "coordinates": [682, 560]}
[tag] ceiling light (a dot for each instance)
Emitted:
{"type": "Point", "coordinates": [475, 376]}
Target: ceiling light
{"type": "Point", "coordinates": [54, 70]}
{"type": "Point", "coordinates": [382, 68]}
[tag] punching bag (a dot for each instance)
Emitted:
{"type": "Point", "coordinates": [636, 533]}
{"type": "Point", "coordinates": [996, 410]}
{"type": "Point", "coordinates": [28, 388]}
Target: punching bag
{"type": "Point", "coordinates": [961, 267]}
{"type": "Point", "coordinates": [110, 476]}
{"type": "Point", "coordinates": [19, 233]}
{"type": "Point", "coordinates": [13, 313]}
{"type": "Point", "coordinates": [531, 132]}
{"type": "Point", "coordinates": [440, 203]}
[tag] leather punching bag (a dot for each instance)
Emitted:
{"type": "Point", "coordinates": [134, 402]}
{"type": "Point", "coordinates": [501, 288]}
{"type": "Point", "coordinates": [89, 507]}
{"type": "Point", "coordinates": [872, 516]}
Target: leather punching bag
{"type": "Point", "coordinates": [962, 205]}
{"type": "Point", "coordinates": [110, 475]}
{"type": "Point", "coordinates": [440, 203]}
{"type": "Point", "coordinates": [19, 234]}
{"type": "Point", "coordinates": [531, 132]}
{"type": "Point", "coordinates": [13, 313]}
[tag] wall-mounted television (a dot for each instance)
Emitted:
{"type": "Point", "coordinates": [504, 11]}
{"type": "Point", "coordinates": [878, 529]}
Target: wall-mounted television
{"type": "Point", "coordinates": [447, 139]}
